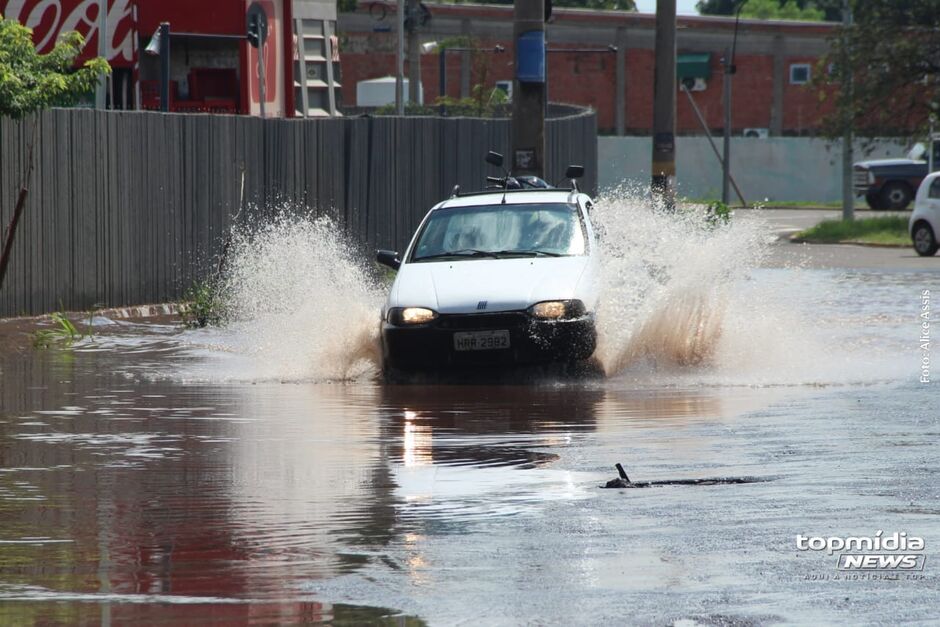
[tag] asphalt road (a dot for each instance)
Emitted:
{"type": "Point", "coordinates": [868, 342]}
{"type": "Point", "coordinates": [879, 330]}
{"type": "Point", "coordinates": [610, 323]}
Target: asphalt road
{"type": "Point", "coordinates": [785, 222]}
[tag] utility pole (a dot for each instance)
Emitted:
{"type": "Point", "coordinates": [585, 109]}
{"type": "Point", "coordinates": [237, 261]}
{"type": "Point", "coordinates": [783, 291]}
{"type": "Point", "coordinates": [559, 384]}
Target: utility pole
{"type": "Point", "coordinates": [728, 65]}
{"type": "Point", "coordinates": [262, 81]}
{"type": "Point", "coordinates": [400, 74]}
{"type": "Point", "coordinates": [528, 97]}
{"type": "Point", "coordinates": [730, 70]}
{"type": "Point", "coordinates": [101, 93]}
{"type": "Point", "coordinates": [164, 66]}
{"type": "Point", "coordinates": [664, 106]}
{"type": "Point", "coordinates": [414, 53]}
{"type": "Point", "coordinates": [848, 193]}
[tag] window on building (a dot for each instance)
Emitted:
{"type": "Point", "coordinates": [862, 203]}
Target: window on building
{"type": "Point", "coordinates": [799, 73]}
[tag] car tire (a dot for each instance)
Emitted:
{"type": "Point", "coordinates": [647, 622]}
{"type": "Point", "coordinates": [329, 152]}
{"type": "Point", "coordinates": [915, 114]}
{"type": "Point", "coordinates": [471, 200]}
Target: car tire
{"type": "Point", "coordinates": [873, 200]}
{"type": "Point", "coordinates": [390, 374]}
{"type": "Point", "coordinates": [925, 241]}
{"type": "Point", "coordinates": [393, 376]}
{"type": "Point", "coordinates": [895, 196]}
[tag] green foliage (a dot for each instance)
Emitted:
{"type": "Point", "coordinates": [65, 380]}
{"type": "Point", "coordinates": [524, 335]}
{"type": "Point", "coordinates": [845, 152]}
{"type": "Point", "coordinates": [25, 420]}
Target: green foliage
{"type": "Point", "coordinates": [892, 51]}
{"type": "Point", "coordinates": [30, 81]}
{"type": "Point", "coordinates": [411, 108]}
{"type": "Point", "coordinates": [775, 10]}
{"type": "Point", "coordinates": [808, 10]}
{"type": "Point", "coordinates": [890, 229]}
{"type": "Point", "coordinates": [610, 5]}
{"type": "Point", "coordinates": [64, 334]}
{"type": "Point", "coordinates": [457, 41]}
{"type": "Point", "coordinates": [346, 6]}
{"type": "Point", "coordinates": [716, 7]}
{"type": "Point", "coordinates": [485, 103]}
{"type": "Point", "coordinates": [201, 306]}
{"type": "Point", "coordinates": [718, 214]}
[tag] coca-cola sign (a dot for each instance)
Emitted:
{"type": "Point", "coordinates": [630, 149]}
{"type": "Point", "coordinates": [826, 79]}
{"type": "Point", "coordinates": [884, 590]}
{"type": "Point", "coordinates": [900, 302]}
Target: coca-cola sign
{"type": "Point", "coordinates": [51, 18]}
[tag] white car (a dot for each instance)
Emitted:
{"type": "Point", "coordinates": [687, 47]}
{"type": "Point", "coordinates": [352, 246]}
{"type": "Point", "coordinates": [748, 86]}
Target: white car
{"type": "Point", "coordinates": [494, 278]}
{"type": "Point", "coordinates": [924, 224]}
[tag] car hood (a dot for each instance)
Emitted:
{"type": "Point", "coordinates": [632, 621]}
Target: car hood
{"type": "Point", "coordinates": [883, 163]}
{"type": "Point", "coordinates": [505, 284]}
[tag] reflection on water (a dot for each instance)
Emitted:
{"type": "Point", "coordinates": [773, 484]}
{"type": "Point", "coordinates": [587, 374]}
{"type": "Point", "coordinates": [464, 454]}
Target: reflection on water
{"type": "Point", "coordinates": [121, 486]}
{"type": "Point", "coordinates": [21, 606]}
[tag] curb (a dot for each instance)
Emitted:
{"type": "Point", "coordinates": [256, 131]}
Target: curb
{"type": "Point", "coordinates": [141, 311]}
{"type": "Point", "coordinates": [784, 208]}
{"type": "Point", "coordinates": [120, 313]}
{"type": "Point", "coordinates": [800, 240]}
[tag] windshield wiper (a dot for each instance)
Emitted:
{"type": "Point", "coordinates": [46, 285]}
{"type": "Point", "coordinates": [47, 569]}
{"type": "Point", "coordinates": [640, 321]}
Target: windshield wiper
{"type": "Point", "coordinates": [535, 253]}
{"type": "Point", "coordinates": [466, 252]}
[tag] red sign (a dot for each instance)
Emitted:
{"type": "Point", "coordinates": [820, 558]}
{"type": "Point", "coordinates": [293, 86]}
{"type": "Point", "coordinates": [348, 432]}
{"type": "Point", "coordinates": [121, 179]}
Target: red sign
{"type": "Point", "coordinates": [51, 18]}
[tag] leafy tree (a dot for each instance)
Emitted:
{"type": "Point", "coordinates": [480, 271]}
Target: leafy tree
{"type": "Point", "coordinates": [893, 54]}
{"type": "Point", "coordinates": [611, 5]}
{"type": "Point", "coordinates": [774, 10]}
{"type": "Point", "coordinates": [810, 10]}
{"type": "Point", "coordinates": [832, 9]}
{"type": "Point", "coordinates": [716, 7]}
{"type": "Point", "coordinates": [30, 81]}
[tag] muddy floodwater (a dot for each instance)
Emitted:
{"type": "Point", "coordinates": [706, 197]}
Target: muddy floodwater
{"type": "Point", "coordinates": [153, 473]}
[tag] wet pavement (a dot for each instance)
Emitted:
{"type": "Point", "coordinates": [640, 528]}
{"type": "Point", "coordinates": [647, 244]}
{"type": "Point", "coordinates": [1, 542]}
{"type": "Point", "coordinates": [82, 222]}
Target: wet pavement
{"type": "Point", "coordinates": [138, 486]}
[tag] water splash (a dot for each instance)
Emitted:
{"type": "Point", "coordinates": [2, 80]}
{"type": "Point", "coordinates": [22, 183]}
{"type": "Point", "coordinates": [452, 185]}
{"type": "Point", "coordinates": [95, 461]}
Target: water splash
{"type": "Point", "coordinates": [688, 302]}
{"type": "Point", "coordinates": [682, 300]}
{"type": "Point", "coordinates": [300, 302]}
{"type": "Point", "coordinates": [666, 278]}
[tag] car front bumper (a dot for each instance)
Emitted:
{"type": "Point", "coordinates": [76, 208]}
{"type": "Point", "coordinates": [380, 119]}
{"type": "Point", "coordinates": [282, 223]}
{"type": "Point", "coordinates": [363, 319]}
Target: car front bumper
{"type": "Point", "coordinates": [531, 341]}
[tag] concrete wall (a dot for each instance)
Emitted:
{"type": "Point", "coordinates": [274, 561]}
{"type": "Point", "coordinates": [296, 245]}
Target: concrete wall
{"type": "Point", "coordinates": [775, 169]}
{"type": "Point", "coordinates": [131, 207]}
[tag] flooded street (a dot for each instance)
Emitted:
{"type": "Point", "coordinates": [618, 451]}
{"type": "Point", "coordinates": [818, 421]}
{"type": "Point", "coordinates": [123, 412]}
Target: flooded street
{"type": "Point", "coordinates": [153, 473]}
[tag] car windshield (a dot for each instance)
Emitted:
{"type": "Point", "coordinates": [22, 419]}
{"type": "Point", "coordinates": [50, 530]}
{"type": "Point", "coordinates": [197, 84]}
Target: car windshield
{"type": "Point", "coordinates": [501, 231]}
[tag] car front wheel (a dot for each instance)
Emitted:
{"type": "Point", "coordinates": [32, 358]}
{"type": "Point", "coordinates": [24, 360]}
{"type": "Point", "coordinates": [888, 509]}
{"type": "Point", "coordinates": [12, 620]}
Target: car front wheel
{"type": "Point", "coordinates": [895, 196]}
{"type": "Point", "coordinates": [873, 200]}
{"type": "Point", "coordinates": [925, 242]}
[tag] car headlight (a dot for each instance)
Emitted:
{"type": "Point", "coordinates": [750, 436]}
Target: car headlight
{"type": "Point", "coordinates": [411, 315]}
{"type": "Point", "coordinates": [557, 309]}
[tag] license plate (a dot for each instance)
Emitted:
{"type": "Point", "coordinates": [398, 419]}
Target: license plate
{"type": "Point", "coordinates": [481, 340]}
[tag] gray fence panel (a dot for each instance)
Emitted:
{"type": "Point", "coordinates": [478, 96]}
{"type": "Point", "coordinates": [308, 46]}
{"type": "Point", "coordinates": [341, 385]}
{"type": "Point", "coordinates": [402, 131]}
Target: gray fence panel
{"type": "Point", "coordinates": [131, 207]}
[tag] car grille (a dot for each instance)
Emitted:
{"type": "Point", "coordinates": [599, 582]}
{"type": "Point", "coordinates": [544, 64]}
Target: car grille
{"type": "Point", "coordinates": [472, 322]}
{"type": "Point", "coordinates": [860, 178]}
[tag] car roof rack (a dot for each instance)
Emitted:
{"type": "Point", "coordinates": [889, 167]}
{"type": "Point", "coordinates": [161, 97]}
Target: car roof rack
{"type": "Point", "coordinates": [500, 190]}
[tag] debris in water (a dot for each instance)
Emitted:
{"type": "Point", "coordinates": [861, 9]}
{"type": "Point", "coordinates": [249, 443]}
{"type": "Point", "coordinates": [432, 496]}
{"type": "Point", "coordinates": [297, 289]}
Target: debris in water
{"type": "Point", "coordinates": [623, 481]}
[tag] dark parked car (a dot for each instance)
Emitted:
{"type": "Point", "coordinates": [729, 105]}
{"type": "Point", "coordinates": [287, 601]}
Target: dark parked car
{"type": "Point", "coordinates": [891, 183]}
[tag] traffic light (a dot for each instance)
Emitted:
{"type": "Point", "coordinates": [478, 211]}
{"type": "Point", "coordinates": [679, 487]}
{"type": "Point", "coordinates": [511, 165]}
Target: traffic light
{"type": "Point", "coordinates": [257, 25]}
{"type": "Point", "coordinates": [254, 38]}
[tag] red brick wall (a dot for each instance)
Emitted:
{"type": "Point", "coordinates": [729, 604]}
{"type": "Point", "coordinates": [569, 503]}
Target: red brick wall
{"type": "Point", "coordinates": [801, 103]}
{"type": "Point", "coordinates": [584, 78]}
{"type": "Point", "coordinates": [589, 78]}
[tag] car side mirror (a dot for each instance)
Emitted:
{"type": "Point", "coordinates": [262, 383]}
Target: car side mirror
{"type": "Point", "coordinates": [388, 258]}
{"type": "Point", "coordinates": [574, 172]}
{"type": "Point", "coordinates": [494, 158]}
